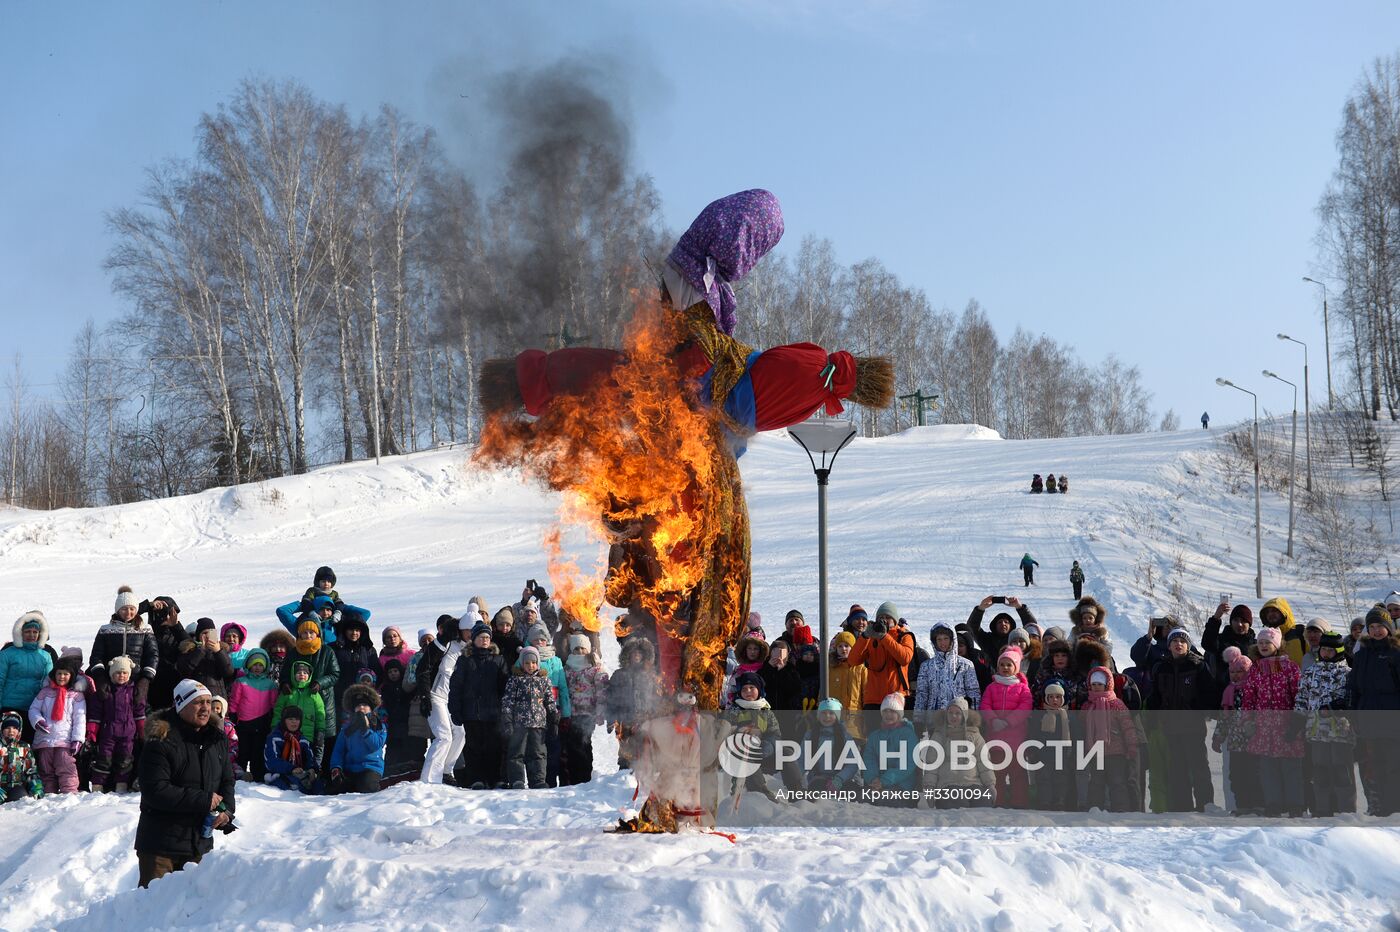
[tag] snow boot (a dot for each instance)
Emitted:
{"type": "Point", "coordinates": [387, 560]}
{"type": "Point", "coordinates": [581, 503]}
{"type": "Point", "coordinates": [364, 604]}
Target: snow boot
{"type": "Point", "coordinates": [478, 785]}
{"type": "Point", "coordinates": [120, 788]}
{"type": "Point", "coordinates": [518, 785]}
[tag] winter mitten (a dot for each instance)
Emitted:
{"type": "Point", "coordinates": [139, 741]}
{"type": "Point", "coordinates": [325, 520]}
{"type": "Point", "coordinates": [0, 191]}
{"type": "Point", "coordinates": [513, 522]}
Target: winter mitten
{"type": "Point", "coordinates": [92, 731]}
{"type": "Point", "coordinates": [303, 606]}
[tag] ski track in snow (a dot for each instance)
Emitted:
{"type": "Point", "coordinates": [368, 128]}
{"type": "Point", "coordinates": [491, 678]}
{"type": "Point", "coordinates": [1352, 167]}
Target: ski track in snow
{"type": "Point", "coordinates": [933, 519]}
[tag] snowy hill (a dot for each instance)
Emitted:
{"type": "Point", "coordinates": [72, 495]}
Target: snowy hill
{"type": "Point", "coordinates": [933, 519]}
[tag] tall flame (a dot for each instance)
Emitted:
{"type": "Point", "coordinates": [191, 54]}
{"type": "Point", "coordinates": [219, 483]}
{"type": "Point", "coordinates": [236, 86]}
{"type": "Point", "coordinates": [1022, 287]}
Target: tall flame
{"type": "Point", "coordinates": [647, 472]}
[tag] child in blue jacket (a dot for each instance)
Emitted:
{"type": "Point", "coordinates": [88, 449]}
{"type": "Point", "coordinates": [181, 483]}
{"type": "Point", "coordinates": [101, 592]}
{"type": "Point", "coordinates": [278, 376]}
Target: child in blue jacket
{"type": "Point", "coordinates": [288, 757]}
{"type": "Point", "coordinates": [357, 762]}
{"type": "Point", "coordinates": [889, 754]}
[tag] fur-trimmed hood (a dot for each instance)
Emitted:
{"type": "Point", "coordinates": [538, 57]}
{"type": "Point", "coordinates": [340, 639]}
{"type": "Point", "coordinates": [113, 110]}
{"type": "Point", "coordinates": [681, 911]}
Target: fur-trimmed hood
{"type": "Point", "coordinates": [351, 620]}
{"type": "Point", "coordinates": [17, 637]}
{"type": "Point", "coordinates": [1100, 613]}
{"type": "Point", "coordinates": [278, 636]}
{"type": "Point", "coordinates": [1088, 655]}
{"type": "Point", "coordinates": [361, 693]}
{"type": "Point", "coordinates": [763, 649]}
{"type": "Point", "coordinates": [639, 644]}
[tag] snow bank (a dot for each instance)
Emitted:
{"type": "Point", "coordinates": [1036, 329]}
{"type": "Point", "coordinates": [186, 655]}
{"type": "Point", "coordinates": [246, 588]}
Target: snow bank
{"type": "Point", "coordinates": [934, 519]}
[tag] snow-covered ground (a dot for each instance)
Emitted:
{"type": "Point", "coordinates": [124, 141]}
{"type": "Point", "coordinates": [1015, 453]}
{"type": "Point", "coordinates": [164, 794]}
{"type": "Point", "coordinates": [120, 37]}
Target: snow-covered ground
{"type": "Point", "coordinates": [933, 519]}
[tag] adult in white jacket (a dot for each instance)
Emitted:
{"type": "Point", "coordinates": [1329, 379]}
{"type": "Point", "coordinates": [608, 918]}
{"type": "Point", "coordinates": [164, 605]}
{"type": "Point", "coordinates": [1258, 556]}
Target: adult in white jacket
{"type": "Point", "coordinates": [448, 740]}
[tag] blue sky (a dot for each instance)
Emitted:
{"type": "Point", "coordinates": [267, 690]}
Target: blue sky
{"type": "Point", "coordinates": [1131, 178]}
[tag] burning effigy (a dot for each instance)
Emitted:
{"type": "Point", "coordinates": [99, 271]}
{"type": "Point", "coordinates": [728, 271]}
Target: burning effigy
{"type": "Point", "coordinates": [642, 441]}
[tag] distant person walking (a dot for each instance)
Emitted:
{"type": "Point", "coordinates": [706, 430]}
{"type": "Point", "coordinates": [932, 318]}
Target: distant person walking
{"type": "Point", "coordinates": [1205, 420]}
{"type": "Point", "coordinates": [1076, 579]}
{"type": "Point", "coordinates": [1028, 569]}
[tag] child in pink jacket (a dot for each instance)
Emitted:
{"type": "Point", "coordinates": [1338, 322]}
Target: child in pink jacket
{"type": "Point", "coordinates": [1006, 705]}
{"type": "Point", "coordinates": [59, 715]}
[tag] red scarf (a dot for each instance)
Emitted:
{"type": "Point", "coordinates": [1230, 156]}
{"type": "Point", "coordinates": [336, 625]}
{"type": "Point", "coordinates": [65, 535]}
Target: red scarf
{"type": "Point", "coordinates": [60, 701]}
{"type": "Point", "coordinates": [291, 749]}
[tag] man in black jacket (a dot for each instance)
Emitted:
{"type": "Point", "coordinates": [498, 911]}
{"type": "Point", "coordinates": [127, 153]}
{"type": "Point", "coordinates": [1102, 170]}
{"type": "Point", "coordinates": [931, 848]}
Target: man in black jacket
{"type": "Point", "coordinates": [1183, 687]}
{"type": "Point", "coordinates": [474, 701]}
{"type": "Point", "coordinates": [186, 785]}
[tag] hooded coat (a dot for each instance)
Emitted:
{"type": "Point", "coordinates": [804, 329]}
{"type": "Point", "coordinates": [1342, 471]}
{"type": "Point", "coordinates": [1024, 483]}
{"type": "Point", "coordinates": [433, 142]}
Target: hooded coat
{"type": "Point", "coordinates": [315, 717]}
{"type": "Point", "coordinates": [325, 672]}
{"type": "Point", "coordinates": [528, 702]}
{"type": "Point", "coordinates": [1322, 693]}
{"type": "Point", "coordinates": [1009, 704]}
{"type": "Point", "coordinates": [402, 654]}
{"type": "Point", "coordinates": [887, 661]}
{"type": "Point", "coordinates": [24, 668]}
{"type": "Point", "coordinates": [1078, 629]}
{"type": "Point", "coordinates": [1294, 643]}
{"type": "Point", "coordinates": [358, 748]}
{"type": "Point", "coordinates": [634, 690]}
{"type": "Point", "coordinates": [1106, 718]}
{"type": "Point", "coordinates": [945, 676]}
{"type": "Point", "coordinates": [990, 642]}
{"type": "Point", "coordinates": [181, 767]}
{"type": "Point", "coordinates": [782, 685]}
{"type": "Point", "coordinates": [351, 658]}
{"type": "Point", "coordinates": [170, 635]}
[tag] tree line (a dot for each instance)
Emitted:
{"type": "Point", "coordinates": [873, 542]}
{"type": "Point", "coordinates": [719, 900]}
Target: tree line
{"type": "Point", "coordinates": [310, 287]}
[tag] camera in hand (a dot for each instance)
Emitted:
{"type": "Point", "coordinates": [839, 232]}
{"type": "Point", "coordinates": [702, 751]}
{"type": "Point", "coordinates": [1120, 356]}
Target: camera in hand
{"type": "Point", "coordinates": [998, 600]}
{"type": "Point", "coordinates": [877, 627]}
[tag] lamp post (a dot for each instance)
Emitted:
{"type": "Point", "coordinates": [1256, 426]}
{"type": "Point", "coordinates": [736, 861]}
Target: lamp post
{"type": "Point", "coordinates": [1293, 455]}
{"type": "Point", "coordinates": [1307, 415]}
{"type": "Point", "coordinates": [822, 437]}
{"type": "Point", "coordinates": [1258, 532]}
{"type": "Point", "coordinates": [1326, 337]}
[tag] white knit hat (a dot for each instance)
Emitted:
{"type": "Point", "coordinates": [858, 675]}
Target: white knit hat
{"type": "Point", "coordinates": [126, 597]}
{"type": "Point", "coordinates": [187, 691]}
{"type": "Point", "coordinates": [893, 701]}
{"type": "Point", "coordinates": [578, 640]}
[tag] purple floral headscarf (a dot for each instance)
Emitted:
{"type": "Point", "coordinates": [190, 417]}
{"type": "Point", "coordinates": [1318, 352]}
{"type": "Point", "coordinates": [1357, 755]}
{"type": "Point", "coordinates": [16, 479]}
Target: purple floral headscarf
{"type": "Point", "coordinates": [724, 244]}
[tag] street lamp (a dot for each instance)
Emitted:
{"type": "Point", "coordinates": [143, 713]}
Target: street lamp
{"type": "Point", "coordinates": [1307, 415]}
{"type": "Point", "coordinates": [1258, 533]}
{"type": "Point", "coordinates": [1326, 337]}
{"type": "Point", "coordinates": [822, 437]}
{"type": "Point", "coordinates": [1293, 455]}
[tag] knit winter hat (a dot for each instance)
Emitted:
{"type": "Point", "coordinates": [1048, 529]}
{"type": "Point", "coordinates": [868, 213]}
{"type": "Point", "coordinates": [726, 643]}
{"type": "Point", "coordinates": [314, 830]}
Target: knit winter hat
{"type": "Point", "coordinates": [12, 719]}
{"type": "Point", "coordinates": [35, 621]}
{"type": "Point", "coordinates": [1392, 599]}
{"type": "Point", "coordinates": [1179, 634]}
{"type": "Point", "coordinates": [1379, 616]}
{"type": "Point", "coordinates": [1055, 633]}
{"type": "Point", "coordinates": [844, 637]}
{"type": "Point", "coordinates": [1033, 629]}
{"type": "Point", "coordinates": [291, 710]}
{"type": "Point", "coordinates": [1333, 640]}
{"type": "Point", "coordinates": [532, 604]}
{"type": "Point", "coordinates": [479, 629]}
{"type": "Point", "coordinates": [1055, 689]}
{"type": "Point", "coordinates": [1318, 624]}
{"type": "Point", "coordinates": [1100, 675]}
{"type": "Point", "coordinates": [960, 703]}
{"type": "Point", "coordinates": [893, 701]}
{"type": "Point", "coordinates": [793, 613]}
{"type": "Point", "coordinates": [126, 597]}
{"type": "Point", "coordinates": [257, 655]}
{"type": "Point", "coordinates": [469, 620]}
{"type": "Point", "coordinates": [120, 664]}
{"type": "Point", "coordinates": [1018, 636]}
{"type": "Point", "coordinates": [887, 609]}
{"type": "Point", "coordinates": [855, 613]}
{"type": "Point", "coordinates": [755, 620]}
{"type": "Point", "coordinates": [1269, 636]}
{"type": "Point", "coordinates": [829, 705]}
{"type": "Point", "coordinates": [366, 675]}
{"type": "Point", "coordinates": [1242, 611]}
{"type": "Point", "coordinates": [71, 653]}
{"type": "Point", "coordinates": [1229, 654]}
{"type": "Point", "coordinates": [308, 638]}
{"type": "Point", "coordinates": [529, 653]}
{"type": "Point", "coordinates": [1241, 664]}
{"type": "Point", "coordinates": [578, 640]}
{"type": "Point", "coordinates": [535, 633]}
{"type": "Point", "coordinates": [187, 691]}
{"type": "Point", "coordinates": [749, 678]}
{"type": "Point", "coordinates": [204, 624]}
{"type": "Point", "coordinates": [1013, 652]}
{"type": "Point", "coordinates": [423, 633]}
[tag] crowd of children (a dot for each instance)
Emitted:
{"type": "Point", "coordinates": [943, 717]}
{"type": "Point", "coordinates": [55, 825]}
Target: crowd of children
{"type": "Point", "coordinates": [512, 699]}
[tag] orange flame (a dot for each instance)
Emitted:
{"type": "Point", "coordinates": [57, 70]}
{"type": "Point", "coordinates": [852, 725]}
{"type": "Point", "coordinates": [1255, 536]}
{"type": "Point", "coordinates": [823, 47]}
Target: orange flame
{"type": "Point", "coordinates": [645, 469]}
